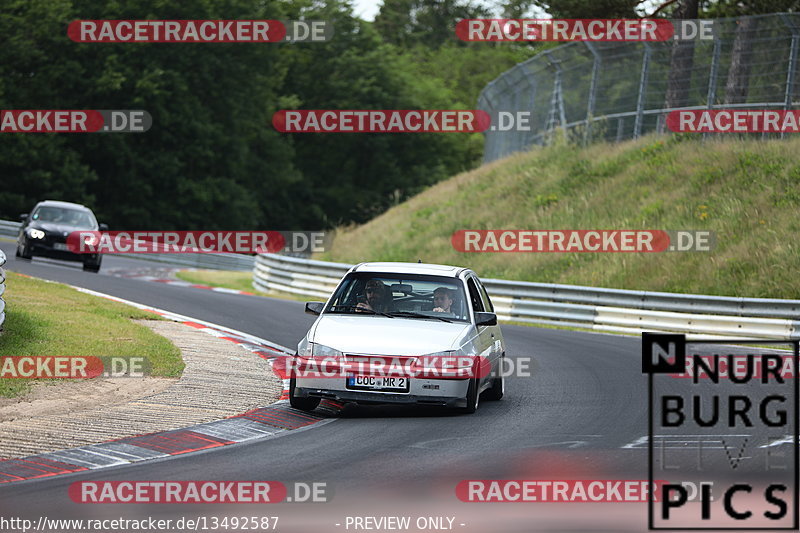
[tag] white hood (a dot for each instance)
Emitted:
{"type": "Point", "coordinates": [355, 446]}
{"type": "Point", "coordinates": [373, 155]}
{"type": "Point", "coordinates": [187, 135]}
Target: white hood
{"type": "Point", "coordinates": [379, 335]}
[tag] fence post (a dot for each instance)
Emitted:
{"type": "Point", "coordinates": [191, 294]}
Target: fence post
{"type": "Point", "coordinates": [506, 135]}
{"type": "Point", "coordinates": [532, 82]}
{"type": "Point", "coordinates": [592, 90]}
{"type": "Point", "coordinates": [557, 100]}
{"type": "Point", "coordinates": [711, 95]}
{"type": "Point", "coordinates": [792, 69]}
{"type": "Point", "coordinates": [637, 127]}
{"type": "Point", "coordinates": [488, 135]}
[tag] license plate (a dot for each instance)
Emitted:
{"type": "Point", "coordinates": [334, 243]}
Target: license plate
{"type": "Point", "coordinates": [377, 383]}
{"type": "Point", "coordinates": [60, 246]}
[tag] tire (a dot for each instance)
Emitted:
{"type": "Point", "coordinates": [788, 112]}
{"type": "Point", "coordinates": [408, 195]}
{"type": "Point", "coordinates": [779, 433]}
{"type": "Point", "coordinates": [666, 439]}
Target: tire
{"type": "Point", "coordinates": [88, 267]}
{"type": "Point", "coordinates": [304, 404]}
{"type": "Point", "coordinates": [25, 253]}
{"type": "Point", "coordinates": [498, 385]}
{"type": "Point", "coordinates": [473, 398]}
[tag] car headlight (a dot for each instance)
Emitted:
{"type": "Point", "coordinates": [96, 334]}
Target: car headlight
{"type": "Point", "coordinates": [320, 350]}
{"type": "Point", "coordinates": [36, 234]}
{"type": "Point", "coordinates": [316, 360]}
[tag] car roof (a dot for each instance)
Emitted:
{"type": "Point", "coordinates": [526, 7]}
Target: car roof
{"type": "Point", "coordinates": [58, 203]}
{"type": "Point", "coordinates": [410, 268]}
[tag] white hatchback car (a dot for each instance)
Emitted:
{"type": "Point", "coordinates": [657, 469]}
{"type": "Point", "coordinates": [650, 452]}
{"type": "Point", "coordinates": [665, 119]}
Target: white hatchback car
{"type": "Point", "coordinates": [403, 333]}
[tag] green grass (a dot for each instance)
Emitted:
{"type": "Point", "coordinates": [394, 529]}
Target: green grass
{"type": "Point", "coordinates": [233, 279]}
{"type": "Point", "coordinates": [229, 279]}
{"type": "Point", "coordinates": [747, 192]}
{"type": "Point", "coordinates": [47, 319]}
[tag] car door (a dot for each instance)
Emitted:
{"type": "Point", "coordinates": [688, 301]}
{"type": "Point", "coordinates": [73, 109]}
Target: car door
{"type": "Point", "coordinates": [498, 345]}
{"type": "Point", "coordinates": [485, 340]}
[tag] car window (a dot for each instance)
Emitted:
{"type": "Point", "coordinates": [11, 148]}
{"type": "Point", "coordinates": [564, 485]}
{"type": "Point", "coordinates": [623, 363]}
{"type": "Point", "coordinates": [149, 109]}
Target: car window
{"type": "Point", "coordinates": [400, 294]}
{"type": "Point", "coordinates": [487, 303]}
{"type": "Point", "coordinates": [63, 216]}
{"type": "Point", "coordinates": [474, 296]}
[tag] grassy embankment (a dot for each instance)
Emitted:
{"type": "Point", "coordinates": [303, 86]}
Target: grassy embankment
{"type": "Point", "coordinates": [47, 319]}
{"type": "Point", "coordinates": [229, 279]}
{"type": "Point", "coordinates": [747, 192]}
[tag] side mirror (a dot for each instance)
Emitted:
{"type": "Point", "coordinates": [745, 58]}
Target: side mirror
{"type": "Point", "coordinates": [103, 227]}
{"type": "Point", "coordinates": [314, 308]}
{"type": "Point", "coordinates": [485, 319]}
{"type": "Point", "coordinates": [23, 217]}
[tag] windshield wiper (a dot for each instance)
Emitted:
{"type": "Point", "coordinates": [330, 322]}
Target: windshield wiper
{"type": "Point", "coordinates": [360, 310]}
{"type": "Point", "coordinates": [411, 314]}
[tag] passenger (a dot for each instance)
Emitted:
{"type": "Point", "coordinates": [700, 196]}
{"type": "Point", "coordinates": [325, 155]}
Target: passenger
{"type": "Point", "coordinates": [442, 300]}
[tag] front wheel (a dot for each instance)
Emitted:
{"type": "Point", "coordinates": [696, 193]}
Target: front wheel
{"type": "Point", "coordinates": [498, 384]}
{"type": "Point", "coordinates": [24, 251]}
{"type": "Point", "coordinates": [304, 404]}
{"type": "Point", "coordinates": [89, 267]}
{"type": "Point", "coordinates": [473, 398]}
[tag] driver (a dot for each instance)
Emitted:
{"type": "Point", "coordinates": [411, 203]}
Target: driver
{"type": "Point", "coordinates": [442, 300]}
{"type": "Point", "coordinates": [74, 218]}
{"type": "Point", "coordinates": [375, 292]}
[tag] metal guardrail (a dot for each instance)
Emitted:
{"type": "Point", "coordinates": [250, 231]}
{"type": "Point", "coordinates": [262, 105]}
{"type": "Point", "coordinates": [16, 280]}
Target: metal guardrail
{"type": "Point", "coordinates": [2, 289]}
{"type": "Point", "coordinates": [10, 228]}
{"type": "Point", "coordinates": [600, 309]}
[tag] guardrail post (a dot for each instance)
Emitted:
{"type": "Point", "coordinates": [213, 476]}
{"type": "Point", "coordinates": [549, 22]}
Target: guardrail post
{"type": "Point", "coordinates": [637, 127]}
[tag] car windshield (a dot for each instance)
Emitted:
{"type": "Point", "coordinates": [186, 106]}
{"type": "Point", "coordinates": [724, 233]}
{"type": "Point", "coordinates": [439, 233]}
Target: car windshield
{"type": "Point", "coordinates": [65, 217]}
{"type": "Point", "coordinates": [412, 296]}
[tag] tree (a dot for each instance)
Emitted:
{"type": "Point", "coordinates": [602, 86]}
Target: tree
{"type": "Point", "coordinates": [681, 60]}
{"type": "Point", "coordinates": [737, 84]}
{"type": "Point", "coordinates": [427, 22]}
{"type": "Point", "coordinates": [585, 9]}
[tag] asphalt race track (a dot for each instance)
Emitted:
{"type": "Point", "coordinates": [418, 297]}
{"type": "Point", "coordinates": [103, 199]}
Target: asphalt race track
{"type": "Point", "coordinates": [581, 414]}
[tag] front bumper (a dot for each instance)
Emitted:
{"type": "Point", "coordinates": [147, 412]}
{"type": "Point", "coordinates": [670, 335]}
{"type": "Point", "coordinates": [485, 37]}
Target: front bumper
{"type": "Point", "coordinates": [441, 392]}
{"type": "Point", "coordinates": [47, 250]}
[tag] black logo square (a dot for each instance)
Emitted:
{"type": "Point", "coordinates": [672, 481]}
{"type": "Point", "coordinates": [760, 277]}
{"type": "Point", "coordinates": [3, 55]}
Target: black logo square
{"type": "Point", "coordinates": [657, 347]}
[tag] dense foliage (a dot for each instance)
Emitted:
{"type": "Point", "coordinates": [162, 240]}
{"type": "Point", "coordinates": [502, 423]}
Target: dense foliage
{"type": "Point", "coordinates": [212, 158]}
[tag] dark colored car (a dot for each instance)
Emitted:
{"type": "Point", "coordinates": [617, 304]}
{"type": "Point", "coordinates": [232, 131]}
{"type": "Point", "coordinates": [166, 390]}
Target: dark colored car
{"type": "Point", "coordinates": [44, 232]}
